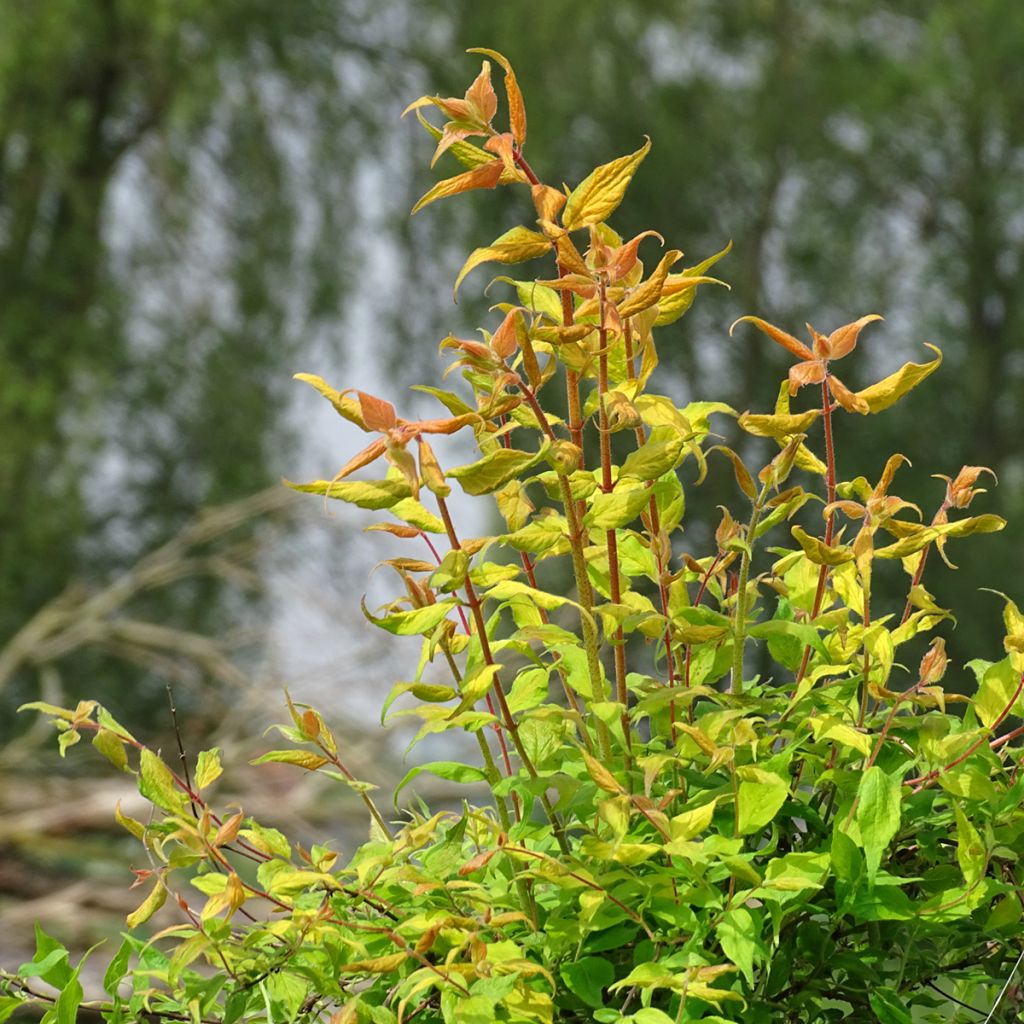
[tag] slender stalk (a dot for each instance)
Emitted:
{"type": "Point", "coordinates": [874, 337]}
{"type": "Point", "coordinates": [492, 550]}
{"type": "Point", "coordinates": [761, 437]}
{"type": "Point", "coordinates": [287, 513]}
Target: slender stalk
{"type": "Point", "coordinates": [498, 731]}
{"type": "Point", "coordinates": [867, 661]}
{"type": "Point", "coordinates": [830, 521]}
{"type": "Point", "coordinates": [528, 568]}
{"type": "Point", "coordinates": [573, 510]}
{"type": "Point", "coordinates": [740, 622]}
{"type": "Point", "coordinates": [591, 640]}
{"type": "Point", "coordinates": [653, 535]}
{"type": "Point", "coordinates": [919, 572]}
{"type": "Point", "coordinates": [611, 538]}
{"type": "Point", "coordinates": [926, 780]}
{"type": "Point", "coordinates": [499, 693]}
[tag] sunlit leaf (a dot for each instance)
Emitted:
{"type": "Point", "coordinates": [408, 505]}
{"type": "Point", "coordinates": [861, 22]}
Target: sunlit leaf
{"type": "Point", "coordinates": [599, 194]}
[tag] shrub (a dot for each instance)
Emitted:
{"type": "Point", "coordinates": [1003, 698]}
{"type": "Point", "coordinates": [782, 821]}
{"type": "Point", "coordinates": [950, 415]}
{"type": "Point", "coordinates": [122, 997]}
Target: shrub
{"type": "Point", "coordinates": [668, 838]}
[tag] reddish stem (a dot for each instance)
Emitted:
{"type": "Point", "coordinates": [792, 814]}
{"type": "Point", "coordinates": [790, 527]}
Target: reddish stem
{"type": "Point", "coordinates": [830, 521]}
{"type": "Point", "coordinates": [926, 780]}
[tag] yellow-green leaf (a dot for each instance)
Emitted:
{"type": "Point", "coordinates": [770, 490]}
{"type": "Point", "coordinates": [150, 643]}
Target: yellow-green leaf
{"type": "Point", "coordinates": [599, 194]}
{"type": "Point", "coordinates": [156, 783]}
{"type": "Point", "coordinates": [149, 906]}
{"type": "Point", "coordinates": [616, 508]}
{"type": "Point", "coordinates": [300, 758]}
{"type": "Point", "coordinates": [372, 494]}
{"type": "Point", "coordinates": [892, 388]}
{"type": "Point", "coordinates": [818, 551]}
{"type": "Point", "coordinates": [348, 408]}
{"type": "Point", "coordinates": [208, 767]}
{"type": "Point", "coordinates": [514, 246]}
{"type": "Point", "coordinates": [779, 426]}
{"type": "Point", "coordinates": [417, 621]}
{"type": "Point", "coordinates": [495, 470]}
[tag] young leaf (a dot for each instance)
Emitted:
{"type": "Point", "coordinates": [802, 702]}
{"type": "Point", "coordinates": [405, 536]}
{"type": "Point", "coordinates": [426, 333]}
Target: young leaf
{"type": "Point", "coordinates": [877, 815]}
{"type": "Point", "coordinates": [484, 176]}
{"type": "Point", "coordinates": [596, 197]}
{"type": "Point", "coordinates": [892, 388]}
{"type": "Point", "coordinates": [371, 494]}
{"type": "Point", "coordinates": [514, 246]}
{"type": "Point", "coordinates": [495, 470]}
{"type": "Point", "coordinates": [156, 783]}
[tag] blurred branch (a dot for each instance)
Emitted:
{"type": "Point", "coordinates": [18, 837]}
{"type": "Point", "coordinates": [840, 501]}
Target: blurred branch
{"type": "Point", "coordinates": [101, 619]}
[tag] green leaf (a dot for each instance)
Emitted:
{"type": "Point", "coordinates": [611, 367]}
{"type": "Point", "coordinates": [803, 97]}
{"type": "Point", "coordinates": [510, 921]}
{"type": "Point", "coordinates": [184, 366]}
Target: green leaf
{"type": "Point", "coordinates": [997, 688]}
{"type": "Point", "coordinates": [529, 690]}
{"type": "Point", "coordinates": [877, 815]}
{"type": "Point", "coordinates": [739, 935]}
{"type": "Point", "coordinates": [372, 494]}
{"type": "Point", "coordinates": [208, 767]}
{"type": "Point", "coordinates": [112, 748]}
{"type": "Point", "coordinates": [654, 458]}
{"type": "Point", "coordinates": [834, 730]}
{"type": "Point", "coordinates": [50, 962]}
{"type": "Point", "coordinates": [514, 246]}
{"type": "Point", "coordinates": [609, 511]}
{"type": "Point", "coordinates": [596, 197]}
{"type": "Point", "coordinates": [890, 390]}
{"type": "Point", "coordinates": [971, 853]}
{"type": "Point", "coordinates": [587, 978]}
{"type": "Point", "coordinates": [760, 797]}
{"type": "Point", "coordinates": [156, 783]}
{"type": "Point", "coordinates": [8, 1004]}
{"type": "Point", "coordinates": [888, 1007]}
{"type": "Point", "coordinates": [117, 968]}
{"type": "Point", "coordinates": [496, 469]}
{"type": "Point", "coordinates": [415, 622]}
{"type": "Point", "coordinates": [452, 771]}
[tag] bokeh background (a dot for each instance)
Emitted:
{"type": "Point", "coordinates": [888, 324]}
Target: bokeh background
{"type": "Point", "coordinates": [199, 199]}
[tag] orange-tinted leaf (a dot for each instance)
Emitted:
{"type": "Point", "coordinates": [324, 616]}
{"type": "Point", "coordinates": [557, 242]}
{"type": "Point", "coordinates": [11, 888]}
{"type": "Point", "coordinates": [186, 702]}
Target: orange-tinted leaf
{"type": "Point", "coordinates": [516, 108]}
{"type": "Point", "coordinates": [812, 371]}
{"type": "Point", "coordinates": [787, 341]}
{"type": "Point", "coordinates": [649, 292]}
{"type": "Point", "coordinates": [228, 831]}
{"type": "Point", "coordinates": [503, 146]}
{"type": "Point", "coordinates": [484, 176]}
{"type": "Point", "coordinates": [369, 454]}
{"type": "Point", "coordinates": [481, 96]}
{"type": "Point", "coordinates": [377, 413]}
{"type": "Point", "coordinates": [503, 341]}
{"type": "Point", "coordinates": [843, 340]}
{"type": "Point", "coordinates": [846, 398]}
{"type": "Point", "coordinates": [547, 201]}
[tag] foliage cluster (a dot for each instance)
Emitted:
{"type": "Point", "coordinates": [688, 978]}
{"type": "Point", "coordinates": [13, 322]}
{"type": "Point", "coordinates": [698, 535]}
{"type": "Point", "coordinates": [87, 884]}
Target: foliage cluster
{"type": "Point", "coordinates": [669, 837]}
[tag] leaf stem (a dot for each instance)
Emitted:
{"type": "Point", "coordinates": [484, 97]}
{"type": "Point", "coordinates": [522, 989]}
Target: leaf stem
{"type": "Point", "coordinates": [830, 520]}
{"type": "Point", "coordinates": [740, 623]}
{"type": "Point", "coordinates": [499, 692]}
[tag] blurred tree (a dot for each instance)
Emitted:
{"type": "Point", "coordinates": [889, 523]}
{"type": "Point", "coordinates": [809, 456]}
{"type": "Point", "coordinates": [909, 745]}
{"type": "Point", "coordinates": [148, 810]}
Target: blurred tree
{"type": "Point", "coordinates": [175, 179]}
